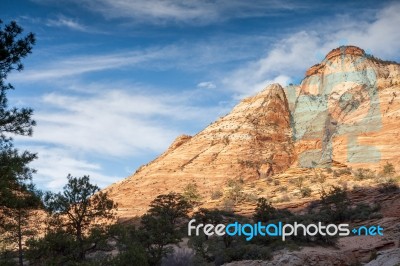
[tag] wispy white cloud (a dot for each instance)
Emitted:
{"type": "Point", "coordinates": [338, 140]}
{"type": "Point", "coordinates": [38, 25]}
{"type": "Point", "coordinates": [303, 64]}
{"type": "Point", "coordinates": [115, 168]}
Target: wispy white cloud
{"type": "Point", "coordinates": [70, 23]}
{"type": "Point", "coordinates": [206, 85]}
{"type": "Point", "coordinates": [54, 164]}
{"type": "Point", "coordinates": [114, 122]}
{"type": "Point", "coordinates": [180, 56]}
{"type": "Point", "coordinates": [73, 66]}
{"type": "Point", "coordinates": [195, 11]}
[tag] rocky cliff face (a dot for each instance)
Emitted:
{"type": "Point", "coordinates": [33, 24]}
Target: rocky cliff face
{"type": "Point", "coordinates": [346, 109]}
{"type": "Point", "coordinates": [344, 112]}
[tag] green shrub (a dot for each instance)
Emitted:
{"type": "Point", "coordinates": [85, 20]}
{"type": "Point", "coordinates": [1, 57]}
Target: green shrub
{"type": "Point", "coordinates": [365, 212]}
{"type": "Point", "coordinates": [364, 173]}
{"type": "Point", "coordinates": [305, 192]}
{"type": "Point", "coordinates": [191, 193]}
{"type": "Point", "coordinates": [342, 171]}
{"type": "Point", "coordinates": [388, 169]}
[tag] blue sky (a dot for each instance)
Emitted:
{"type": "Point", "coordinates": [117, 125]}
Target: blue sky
{"type": "Point", "coordinates": [113, 82]}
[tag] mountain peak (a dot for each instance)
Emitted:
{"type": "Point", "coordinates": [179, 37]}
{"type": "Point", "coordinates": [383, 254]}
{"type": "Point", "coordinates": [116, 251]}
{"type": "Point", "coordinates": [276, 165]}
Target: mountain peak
{"type": "Point", "coordinates": [345, 50]}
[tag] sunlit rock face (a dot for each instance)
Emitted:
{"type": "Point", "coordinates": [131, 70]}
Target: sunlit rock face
{"type": "Point", "coordinates": [345, 110]}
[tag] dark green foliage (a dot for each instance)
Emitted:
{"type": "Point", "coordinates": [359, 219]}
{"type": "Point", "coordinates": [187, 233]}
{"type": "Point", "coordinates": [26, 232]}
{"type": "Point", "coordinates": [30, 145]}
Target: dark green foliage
{"type": "Point", "coordinates": [13, 165]}
{"type": "Point", "coordinates": [211, 216]}
{"type": "Point", "coordinates": [265, 212]}
{"type": "Point", "coordinates": [341, 171]}
{"type": "Point", "coordinates": [364, 173]}
{"type": "Point", "coordinates": [191, 193]}
{"type": "Point", "coordinates": [381, 60]}
{"type": "Point", "coordinates": [335, 205]}
{"type": "Point", "coordinates": [16, 198]}
{"type": "Point", "coordinates": [388, 169]}
{"type": "Point", "coordinates": [160, 226]}
{"type": "Point", "coordinates": [363, 212]}
{"type": "Point", "coordinates": [56, 248]}
{"type": "Point", "coordinates": [81, 211]}
{"type": "Point", "coordinates": [12, 50]}
{"type": "Point", "coordinates": [131, 250]}
{"type": "Point", "coordinates": [305, 192]}
{"type": "Point", "coordinates": [134, 255]}
{"type": "Point", "coordinates": [15, 217]}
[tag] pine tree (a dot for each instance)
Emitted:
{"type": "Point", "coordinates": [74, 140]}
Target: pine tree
{"type": "Point", "coordinates": [79, 210]}
{"type": "Point", "coordinates": [15, 195]}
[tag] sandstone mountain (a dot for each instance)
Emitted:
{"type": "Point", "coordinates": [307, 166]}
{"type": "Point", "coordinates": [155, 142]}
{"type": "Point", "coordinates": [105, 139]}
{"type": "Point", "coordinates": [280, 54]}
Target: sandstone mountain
{"type": "Point", "coordinates": [344, 113]}
{"type": "Point", "coordinates": [253, 141]}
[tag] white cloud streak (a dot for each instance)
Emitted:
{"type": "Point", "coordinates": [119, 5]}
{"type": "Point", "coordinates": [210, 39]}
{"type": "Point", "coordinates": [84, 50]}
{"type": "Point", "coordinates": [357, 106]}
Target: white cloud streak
{"type": "Point", "coordinates": [92, 63]}
{"type": "Point", "coordinates": [194, 11]}
{"type": "Point", "coordinates": [206, 85]}
{"type": "Point", "coordinates": [68, 23]}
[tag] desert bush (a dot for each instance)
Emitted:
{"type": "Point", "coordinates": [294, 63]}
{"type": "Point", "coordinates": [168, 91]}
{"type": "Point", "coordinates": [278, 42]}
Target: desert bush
{"type": "Point", "coordinates": [191, 193]}
{"type": "Point", "coordinates": [284, 198]}
{"type": "Point", "coordinates": [305, 192]}
{"type": "Point", "coordinates": [364, 173]}
{"type": "Point", "coordinates": [320, 178]}
{"type": "Point", "coordinates": [365, 212]}
{"type": "Point", "coordinates": [249, 197]}
{"type": "Point", "coordinates": [388, 169]}
{"type": "Point", "coordinates": [342, 171]}
{"type": "Point", "coordinates": [216, 194]}
{"type": "Point", "coordinates": [235, 192]}
{"type": "Point", "coordinates": [335, 205]}
{"type": "Point", "coordinates": [389, 185]}
{"type": "Point", "coordinates": [299, 182]}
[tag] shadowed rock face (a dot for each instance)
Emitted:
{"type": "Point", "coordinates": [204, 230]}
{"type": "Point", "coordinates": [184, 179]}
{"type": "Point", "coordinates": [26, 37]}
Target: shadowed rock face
{"type": "Point", "coordinates": [345, 111]}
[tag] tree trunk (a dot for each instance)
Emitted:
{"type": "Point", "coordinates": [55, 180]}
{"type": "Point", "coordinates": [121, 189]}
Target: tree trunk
{"type": "Point", "coordinates": [20, 254]}
{"type": "Point", "coordinates": [80, 240]}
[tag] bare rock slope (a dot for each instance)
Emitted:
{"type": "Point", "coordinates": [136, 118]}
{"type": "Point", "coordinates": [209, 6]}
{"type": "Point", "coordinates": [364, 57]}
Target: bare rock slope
{"type": "Point", "coordinates": [253, 141]}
